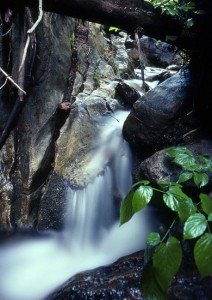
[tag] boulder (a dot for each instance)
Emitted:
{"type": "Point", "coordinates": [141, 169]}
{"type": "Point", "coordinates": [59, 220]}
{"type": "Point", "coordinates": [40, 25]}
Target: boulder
{"type": "Point", "coordinates": [122, 280]}
{"type": "Point", "coordinates": [126, 94]}
{"type": "Point", "coordinates": [161, 114]}
{"type": "Point", "coordinates": [157, 53]}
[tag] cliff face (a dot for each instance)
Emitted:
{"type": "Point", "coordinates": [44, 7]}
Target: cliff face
{"type": "Point", "coordinates": [68, 77]}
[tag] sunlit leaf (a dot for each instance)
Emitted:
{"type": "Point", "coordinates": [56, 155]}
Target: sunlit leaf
{"type": "Point", "coordinates": [174, 151]}
{"type": "Point", "coordinates": [153, 239]}
{"type": "Point", "coordinates": [184, 159]}
{"type": "Point", "coordinates": [177, 201]}
{"type": "Point", "coordinates": [141, 198]}
{"type": "Point", "coordinates": [203, 254]}
{"type": "Point", "coordinates": [194, 226]}
{"type": "Point", "coordinates": [206, 203]}
{"type": "Point", "coordinates": [200, 179]}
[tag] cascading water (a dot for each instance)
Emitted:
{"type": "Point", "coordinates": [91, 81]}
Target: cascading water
{"type": "Point", "coordinates": [33, 268]}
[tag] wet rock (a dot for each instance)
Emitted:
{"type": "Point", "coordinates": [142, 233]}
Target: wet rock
{"type": "Point", "coordinates": [122, 280]}
{"type": "Point", "coordinates": [156, 115]}
{"type": "Point", "coordinates": [126, 94]}
{"type": "Point", "coordinates": [158, 54]}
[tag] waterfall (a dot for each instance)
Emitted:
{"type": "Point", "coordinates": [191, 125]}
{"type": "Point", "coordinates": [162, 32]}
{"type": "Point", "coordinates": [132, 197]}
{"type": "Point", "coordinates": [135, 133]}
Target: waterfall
{"type": "Point", "coordinates": [33, 268]}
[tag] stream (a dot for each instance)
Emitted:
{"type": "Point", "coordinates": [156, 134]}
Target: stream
{"type": "Point", "coordinates": [32, 268]}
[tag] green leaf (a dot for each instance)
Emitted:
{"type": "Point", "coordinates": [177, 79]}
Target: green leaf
{"type": "Point", "coordinates": [174, 151]}
{"type": "Point", "coordinates": [194, 226]}
{"type": "Point", "coordinates": [153, 239]}
{"type": "Point", "coordinates": [166, 261]}
{"type": "Point", "coordinates": [177, 201]}
{"type": "Point", "coordinates": [185, 176]}
{"type": "Point", "coordinates": [150, 286]}
{"type": "Point", "coordinates": [184, 159]}
{"type": "Point", "coordinates": [190, 23]}
{"type": "Point", "coordinates": [115, 29]}
{"type": "Point", "coordinates": [203, 255]}
{"type": "Point", "coordinates": [141, 198]}
{"type": "Point", "coordinates": [126, 212]}
{"type": "Point", "coordinates": [206, 203]}
{"type": "Point", "coordinates": [210, 217]}
{"type": "Point", "coordinates": [200, 179]}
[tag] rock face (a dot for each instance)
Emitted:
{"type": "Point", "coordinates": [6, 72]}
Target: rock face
{"type": "Point", "coordinates": [52, 144]}
{"type": "Point", "coordinates": [155, 116]}
{"type": "Point", "coordinates": [122, 280]}
{"type": "Point", "coordinates": [6, 188]}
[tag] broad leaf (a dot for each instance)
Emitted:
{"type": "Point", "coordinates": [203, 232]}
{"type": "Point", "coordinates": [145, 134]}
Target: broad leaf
{"type": "Point", "coordinates": [175, 151]}
{"type": "Point", "coordinates": [203, 254]}
{"type": "Point", "coordinates": [210, 217]}
{"type": "Point", "coordinates": [206, 203]}
{"type": "Point", "coordinates": [177, 201]}
{"type": "Point", "coordinates": [153, 239]}
{"type": "Point", "coordinates": [184, 160]}
{"type": "Point", "coordinates": [126, 212]}
{"type": "Point", "coordinates": [166, 260]}
{"type": "Point", "coordinates": [194, 226]}
{"type": "Point", "coordinates": [185, 176]}
{"type": "Point", "coordinates": [200, 179]}
{"type": "Point", "coordinates": [141, 198]}
{"type": "Point", "coordinates": [150, 286]}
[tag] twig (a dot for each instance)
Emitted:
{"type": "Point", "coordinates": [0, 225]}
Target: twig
{"type": "Point", "coordinates": [29, 33]}
{"type": "Point", "coordinates": [10, 78]}
{"type": "Point", "coordinates": [8, 31]}
{"type": "Point", "coordinates": [1, 87]}
{"type": "Point", "coordinates": [24, 53]}
{"type": "Point", "coordinates": [39, 17]}
{"type": "Point", "coordinates": [190, 132]}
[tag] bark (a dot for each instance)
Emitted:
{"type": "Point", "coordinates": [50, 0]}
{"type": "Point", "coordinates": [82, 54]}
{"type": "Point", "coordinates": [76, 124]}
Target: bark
{"type": "Point", "coordinates": [126, 14]}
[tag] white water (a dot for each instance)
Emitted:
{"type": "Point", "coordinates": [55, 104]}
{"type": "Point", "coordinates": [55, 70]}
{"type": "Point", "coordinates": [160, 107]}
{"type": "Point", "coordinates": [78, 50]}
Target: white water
{"type": "Point", "coordinates": [33, 268]}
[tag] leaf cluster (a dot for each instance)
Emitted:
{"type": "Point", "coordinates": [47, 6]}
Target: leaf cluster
{"type": "Point", "coordinates": [196, 220]}
{"type": "Point", "coordinates": [184, 11]}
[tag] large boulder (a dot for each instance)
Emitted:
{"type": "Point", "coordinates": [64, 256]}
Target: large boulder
{"type": "Point", "coordinates": [161, 115]}
{"type": "Point", "coordinates": [122, 280]}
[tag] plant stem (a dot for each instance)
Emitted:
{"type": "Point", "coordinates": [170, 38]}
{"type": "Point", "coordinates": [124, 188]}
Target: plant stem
{"type": "Point", "coordinates": [172, 224]}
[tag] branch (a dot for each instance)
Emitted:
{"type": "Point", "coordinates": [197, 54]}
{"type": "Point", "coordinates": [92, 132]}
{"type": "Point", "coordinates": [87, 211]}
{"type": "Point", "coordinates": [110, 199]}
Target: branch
{"type": "Point", "coordinates": [39, 17]}
{"type": "Point", "coordinates": [29, 32]}
{"type": "Point", "coordinates": [13, 82]}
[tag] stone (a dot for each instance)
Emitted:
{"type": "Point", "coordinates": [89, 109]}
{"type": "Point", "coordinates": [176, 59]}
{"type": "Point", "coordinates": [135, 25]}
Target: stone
{"type": "Point", "coordinates": [126, 94]}
{"type": "Point", "coordinates": [152, 121]}
{"type": "Point", "coordinates": [122, 280]}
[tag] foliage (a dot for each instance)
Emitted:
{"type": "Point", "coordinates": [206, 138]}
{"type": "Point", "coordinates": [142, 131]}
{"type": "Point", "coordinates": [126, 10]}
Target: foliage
{"type": "Point", "coordinates": [179, 9]}
{"type": "Point", "coordinates": [194, 217]}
